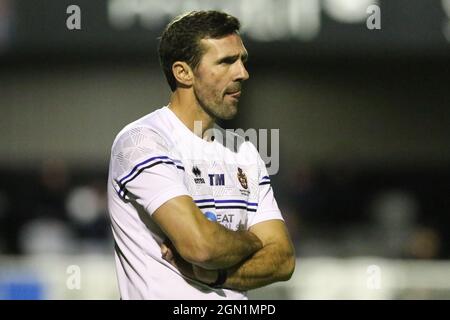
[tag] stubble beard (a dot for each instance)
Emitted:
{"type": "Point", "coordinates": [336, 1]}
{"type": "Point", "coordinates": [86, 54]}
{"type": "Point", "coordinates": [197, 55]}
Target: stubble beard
{"type": "Point", "coordinates": [217, 107]}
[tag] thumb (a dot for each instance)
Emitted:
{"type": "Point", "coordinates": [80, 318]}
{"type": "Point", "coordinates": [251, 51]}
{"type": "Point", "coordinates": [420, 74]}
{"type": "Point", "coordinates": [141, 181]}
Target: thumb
{"type": "Point", "coordinates": [164, 249]}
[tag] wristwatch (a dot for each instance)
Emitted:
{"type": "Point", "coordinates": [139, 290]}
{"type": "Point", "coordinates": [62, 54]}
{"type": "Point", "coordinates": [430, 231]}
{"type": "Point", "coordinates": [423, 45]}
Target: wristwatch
{"type": "Point", "coordinates": [221, 278]}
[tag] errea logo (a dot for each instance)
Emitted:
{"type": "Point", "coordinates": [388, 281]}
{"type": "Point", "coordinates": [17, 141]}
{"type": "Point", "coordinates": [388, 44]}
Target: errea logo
{"type": "Point", "coordinates": [198, 175]}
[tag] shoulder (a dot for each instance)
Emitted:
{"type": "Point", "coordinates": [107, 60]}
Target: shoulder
{"type": "Point", "coordinates": [143, 140]}
{"type": "Point", "coordinates": [147, 132]}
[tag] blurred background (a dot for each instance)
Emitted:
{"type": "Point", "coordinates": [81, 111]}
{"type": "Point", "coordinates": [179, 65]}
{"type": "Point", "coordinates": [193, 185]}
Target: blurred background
{"type": "Point", "coordinates": [364, 119]}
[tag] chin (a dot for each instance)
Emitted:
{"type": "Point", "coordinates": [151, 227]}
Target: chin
{"type": "Point", "coordinates": [230, 114]}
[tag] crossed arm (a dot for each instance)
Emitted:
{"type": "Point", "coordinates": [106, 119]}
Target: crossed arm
{"type": "Point", "coordinates": [254, 258]}
{"type": "Point", "coordinates": [275, 261]}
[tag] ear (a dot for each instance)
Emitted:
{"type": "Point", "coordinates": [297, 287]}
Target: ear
{"type": "Point", "coordinates": [182, 73]}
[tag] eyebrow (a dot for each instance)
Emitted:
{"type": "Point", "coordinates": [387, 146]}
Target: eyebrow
{"type": "Point", "coordinates": [233, 58]}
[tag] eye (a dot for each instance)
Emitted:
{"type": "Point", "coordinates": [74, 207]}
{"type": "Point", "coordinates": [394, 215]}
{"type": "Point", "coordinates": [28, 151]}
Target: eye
{"type": "Point", "coordinates": [229, 60]}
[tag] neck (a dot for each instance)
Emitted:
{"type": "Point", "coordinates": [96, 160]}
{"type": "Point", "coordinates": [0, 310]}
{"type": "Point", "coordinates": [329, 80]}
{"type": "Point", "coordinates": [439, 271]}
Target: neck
{"type": "Point", "coordinates": [186, 107]}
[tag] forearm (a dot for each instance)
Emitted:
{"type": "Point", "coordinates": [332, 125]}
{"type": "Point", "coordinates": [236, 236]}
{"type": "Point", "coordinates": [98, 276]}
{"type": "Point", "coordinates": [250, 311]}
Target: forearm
{"type": "Point", "coordinates": [275, 261]}
{"type": "Point", "coordinates": [200, 241]}
{"type": "Point", "coordinates": [228, 248]}
{"type": "Point", "coordinates": [266, 266]}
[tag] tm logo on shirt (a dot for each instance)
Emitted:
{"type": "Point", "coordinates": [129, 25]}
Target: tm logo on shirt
{"type": "Point", "coordinates": [216, 179]}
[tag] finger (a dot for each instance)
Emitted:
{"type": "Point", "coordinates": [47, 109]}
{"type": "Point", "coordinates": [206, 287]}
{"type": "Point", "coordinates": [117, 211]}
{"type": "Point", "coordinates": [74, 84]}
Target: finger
{"type": "Point", "coordinates": [164, 249]}
{"type": "Point", "coordinates": [169, 254]}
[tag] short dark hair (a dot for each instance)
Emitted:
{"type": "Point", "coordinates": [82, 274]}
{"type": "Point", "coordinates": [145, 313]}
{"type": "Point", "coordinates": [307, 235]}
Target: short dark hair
{"type": "Point", "coordinates": [180, 40]}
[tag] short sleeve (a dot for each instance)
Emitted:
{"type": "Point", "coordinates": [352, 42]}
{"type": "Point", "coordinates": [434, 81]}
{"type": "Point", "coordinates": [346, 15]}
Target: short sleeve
{"type": "Point", "coordinates": [143, 169]}
{"type": "Point", "coordinates": [267, 205]}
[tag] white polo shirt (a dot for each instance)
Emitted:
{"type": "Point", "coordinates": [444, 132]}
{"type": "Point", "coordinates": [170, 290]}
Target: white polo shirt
{"type": "Point", "coordinates": [157, 158]}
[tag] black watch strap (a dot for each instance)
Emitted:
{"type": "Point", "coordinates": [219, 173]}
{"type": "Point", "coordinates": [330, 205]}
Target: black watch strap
{"type": "Point", "coordinates": [221, 278]}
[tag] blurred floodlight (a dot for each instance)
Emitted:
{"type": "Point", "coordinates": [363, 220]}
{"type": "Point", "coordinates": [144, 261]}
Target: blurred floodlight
{"type": "Point", "coordinates": [267, 21]}
{"type": "Point", "coordinates": [83, 205]}
{"type": "Point", "coordinates": [46, 236]}
{"type": "Point", "coordinates": [349, 11]}
{"type": "Point", "coordinates": [395, 209]}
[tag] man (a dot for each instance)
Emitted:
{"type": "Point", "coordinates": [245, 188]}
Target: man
{"type": "Point", "coordinates": [192, 216]}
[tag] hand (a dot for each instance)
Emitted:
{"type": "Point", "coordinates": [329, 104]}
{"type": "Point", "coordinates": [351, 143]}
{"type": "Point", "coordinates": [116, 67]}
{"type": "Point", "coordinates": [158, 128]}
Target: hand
{"type": "Point", "coordinates": [166, 251]}
{"type": "Point", "coordinates": [170, 254]}
{"type": "Point", "coordinates": [205, 275]}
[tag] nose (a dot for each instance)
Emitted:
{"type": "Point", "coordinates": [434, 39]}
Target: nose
{"type": "Point", "coordinates": [242, 73]}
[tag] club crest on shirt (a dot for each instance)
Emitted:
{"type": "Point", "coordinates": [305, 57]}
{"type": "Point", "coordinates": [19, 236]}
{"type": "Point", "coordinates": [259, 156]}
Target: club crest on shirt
{"type": "Point", "coordinates": [198, 175]}
{"type": "Point", "coordinates": [242, 178]}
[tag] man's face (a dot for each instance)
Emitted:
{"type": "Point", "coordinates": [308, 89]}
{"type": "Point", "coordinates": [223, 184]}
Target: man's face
{"type": "Point", "coordinates": [219, 76]}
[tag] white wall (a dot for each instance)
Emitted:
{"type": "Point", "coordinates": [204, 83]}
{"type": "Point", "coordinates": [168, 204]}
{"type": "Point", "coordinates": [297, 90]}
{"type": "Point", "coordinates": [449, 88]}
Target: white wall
{"type": "Point", "coordinates": [93, 277]}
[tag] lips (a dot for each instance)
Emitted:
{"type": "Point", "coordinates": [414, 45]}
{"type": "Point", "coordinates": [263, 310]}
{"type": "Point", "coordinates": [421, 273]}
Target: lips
{"type": "Point", "coordinates": [234, 90]}
{"type": "Point", "coordinates": [236, 94]}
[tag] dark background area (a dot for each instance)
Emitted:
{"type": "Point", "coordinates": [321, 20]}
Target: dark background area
{"type": "Point", "coordinates": [363, 118]}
